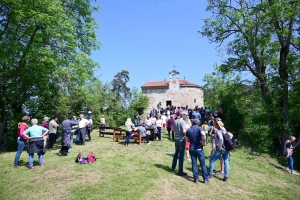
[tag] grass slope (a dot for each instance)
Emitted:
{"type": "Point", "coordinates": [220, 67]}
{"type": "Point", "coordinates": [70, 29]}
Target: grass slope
{"type": "Point", "coordinates": [140, 172]}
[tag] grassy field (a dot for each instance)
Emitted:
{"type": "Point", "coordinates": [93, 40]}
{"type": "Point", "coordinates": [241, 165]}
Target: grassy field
{"type": "Point", "coordinates": [141, 172]}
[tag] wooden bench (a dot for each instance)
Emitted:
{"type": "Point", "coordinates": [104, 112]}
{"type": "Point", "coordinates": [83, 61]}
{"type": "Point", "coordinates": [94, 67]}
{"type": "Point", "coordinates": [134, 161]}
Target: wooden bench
{"type": "Point", "coordinates": [106, 132]}
{"type": "Point", "coordinates": [120, 133]}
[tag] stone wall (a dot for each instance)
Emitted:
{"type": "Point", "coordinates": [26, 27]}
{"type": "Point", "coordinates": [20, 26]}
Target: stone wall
{"type": "Point", "coordinates": [180, 96]}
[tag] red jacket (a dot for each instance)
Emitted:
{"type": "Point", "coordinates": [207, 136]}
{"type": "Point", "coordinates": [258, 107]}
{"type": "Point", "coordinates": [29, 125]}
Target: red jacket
{"type": "Point", "coordinates": [21, 128]}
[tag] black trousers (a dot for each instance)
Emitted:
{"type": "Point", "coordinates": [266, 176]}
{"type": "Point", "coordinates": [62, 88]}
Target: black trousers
{"type": "Point", "coordinates": [51, 142]}
{"type": "Point", "coordinates": [146, 138]}
{"type": "Point", "coordinates": [82, 135]}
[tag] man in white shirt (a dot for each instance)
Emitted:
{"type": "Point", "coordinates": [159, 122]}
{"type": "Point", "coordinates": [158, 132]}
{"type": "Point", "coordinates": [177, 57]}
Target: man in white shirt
{"type": "Point", "coordinates": [164, 120]}
{"type": "Point", "coordinates": [82, 128]}
{"type": "Point", "coordinates": [52, 131]}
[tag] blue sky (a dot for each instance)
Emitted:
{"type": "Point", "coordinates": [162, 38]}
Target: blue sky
{"type": "Point", "coordinates": [148, 37]}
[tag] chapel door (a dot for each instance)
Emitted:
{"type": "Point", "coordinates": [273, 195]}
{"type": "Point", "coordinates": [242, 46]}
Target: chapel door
{"type": "Point", "coordinates": [168, 103]}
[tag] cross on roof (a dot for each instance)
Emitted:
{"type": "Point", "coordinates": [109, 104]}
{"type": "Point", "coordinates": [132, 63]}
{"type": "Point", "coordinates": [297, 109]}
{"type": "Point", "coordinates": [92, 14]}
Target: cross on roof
{"type": "Point", "coordinates": [174, 67]}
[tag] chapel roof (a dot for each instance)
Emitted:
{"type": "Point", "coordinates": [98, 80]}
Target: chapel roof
{"type": "Point", "coordinates": [153, 84]}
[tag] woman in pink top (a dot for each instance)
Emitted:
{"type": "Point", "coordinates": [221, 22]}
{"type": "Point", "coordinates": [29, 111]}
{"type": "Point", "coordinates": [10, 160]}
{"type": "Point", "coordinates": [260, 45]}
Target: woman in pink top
{"type": "Point", "coordinates": [22, 126]}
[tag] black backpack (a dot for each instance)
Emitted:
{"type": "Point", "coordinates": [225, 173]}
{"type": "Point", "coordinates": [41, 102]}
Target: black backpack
{"type": "Point", "coordinates": [228, 144]}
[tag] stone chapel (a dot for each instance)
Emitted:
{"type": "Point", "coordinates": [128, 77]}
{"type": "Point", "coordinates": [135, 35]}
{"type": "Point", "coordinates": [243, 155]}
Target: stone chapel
{"type": "Point", "coordinates": [175, 91]}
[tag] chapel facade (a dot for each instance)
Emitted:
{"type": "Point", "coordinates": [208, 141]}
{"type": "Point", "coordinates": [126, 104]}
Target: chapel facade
{"type": "Point", "coordinates": [175, 91]}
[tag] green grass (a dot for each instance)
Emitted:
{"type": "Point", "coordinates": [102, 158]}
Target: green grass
{"type": "Point", "coordinates": [140, 172]}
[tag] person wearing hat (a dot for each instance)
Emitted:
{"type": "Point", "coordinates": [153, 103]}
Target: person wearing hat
{"type": "Point", "coordinates": [288, 153]}
{"type": "Point", "coordinates": [45, 124]}
{"type": "Point", "coordinates": [67, 127]}
{"type": "Point", "coordinates": [89, 114]}
{"type": "Point", "coordinates": [220, 151]}
{"type": "Point", "coordinates": [179, 128]}
{"type": "Point", "coordinates": [22, 126]}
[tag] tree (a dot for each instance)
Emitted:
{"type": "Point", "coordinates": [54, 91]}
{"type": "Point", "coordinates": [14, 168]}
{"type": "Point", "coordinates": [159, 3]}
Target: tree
{"type": "Point", "coordinates": [43, 43]}
{"type": "Point", "coordinates": [261, 36]}
{"type": "Point", "coordinates": [122, 92]}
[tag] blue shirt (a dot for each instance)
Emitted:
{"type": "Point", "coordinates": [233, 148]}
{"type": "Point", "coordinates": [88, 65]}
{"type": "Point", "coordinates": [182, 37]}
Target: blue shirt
{"type": "Point", "coordinates": [195, 137]}
{"type": "Point", "coordinates": [35, 131]}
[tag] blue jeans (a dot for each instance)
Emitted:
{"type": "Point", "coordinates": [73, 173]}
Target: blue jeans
{"type": "Point", "coordinates": [201, 157]}
{"type": "Point", "coordinates": [216, 156]}
{"type": "Point", "coordinates": [159, 133]}
{"type": "Point", "coordinates": [30, 158]}
{"type": "Point", "coordinates": [21, 144]}
{"type": "Point", "coordinates": [179, 153]}
{"type": "Point", "coordinates": [128, 135]}
{"type": "Point", "coordinates": [77, 136]}
{"type": "Point", "coordinates": [290, 162]}
{"type": "Point", "coordinates": [136, 122]}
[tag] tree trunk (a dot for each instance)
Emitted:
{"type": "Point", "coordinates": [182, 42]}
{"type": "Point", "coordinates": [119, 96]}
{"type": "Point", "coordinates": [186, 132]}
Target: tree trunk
{"type": "Point", "coordinates": [4, 128]}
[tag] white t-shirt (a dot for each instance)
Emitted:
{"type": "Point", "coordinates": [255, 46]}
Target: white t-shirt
{"type": "Point", "coordinates": [148, 122]}
{"type": "Point", "coordinates": [159, 123]}
{"type": "Point", "coordinates": [153, 120]}
{"type": "Point", "coordinates": [164, 119]}
{"type": "Point", "coordinates": [52, 126]}
{"type": "Point", "coordinates": [83, 123]}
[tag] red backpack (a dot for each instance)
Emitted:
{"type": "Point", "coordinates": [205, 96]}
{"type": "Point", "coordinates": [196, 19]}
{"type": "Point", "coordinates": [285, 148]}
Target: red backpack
{"type": "Point", "coordinates": [91, 158]}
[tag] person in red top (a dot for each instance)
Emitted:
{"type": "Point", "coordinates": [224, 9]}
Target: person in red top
{"type": "Point", "coordinates": [22, 126]}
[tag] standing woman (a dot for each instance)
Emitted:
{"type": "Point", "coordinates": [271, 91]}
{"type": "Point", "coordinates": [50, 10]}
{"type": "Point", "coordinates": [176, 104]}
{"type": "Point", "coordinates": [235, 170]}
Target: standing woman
{"type": "Point", "coordinates": [159, 126]}
{"type": "Point", "coordinates": [128, 129]}
{"type": "Point", "coordinates": [102, 123]}
{"type": "Point", "coordinates": [45, 124]}
{"type": "Point", "coordinates": [35, 135]}
{"type": "Point", "coordinates": [288, 153]}
{"type": "Point", "coordinates": [170, 123]}
{"type": "Point", "coordinates": [22, 126]}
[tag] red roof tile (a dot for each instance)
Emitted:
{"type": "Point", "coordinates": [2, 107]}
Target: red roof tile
{"type": "Point", "coordinates": [166, 83]}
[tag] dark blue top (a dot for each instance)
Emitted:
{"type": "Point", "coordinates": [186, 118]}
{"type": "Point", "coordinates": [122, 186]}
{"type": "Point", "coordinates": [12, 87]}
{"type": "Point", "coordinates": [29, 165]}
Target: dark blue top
{"type": "Point", "coordinates": [195, 138]}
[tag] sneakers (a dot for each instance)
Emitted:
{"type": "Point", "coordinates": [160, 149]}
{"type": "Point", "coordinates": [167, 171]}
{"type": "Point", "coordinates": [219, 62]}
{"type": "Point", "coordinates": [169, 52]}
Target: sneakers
{"type": "Point", "coordinates": [30, 167]}
{"type": "Point", "coordinates": [210, 176]}
{"type": "Point", "coordinates": [295, 173]}
{"type": "Point", "coordinates": [196, 181]}
{"type": "Point", "coordinates": [182, 174]}
{"type": "Point", "coordinates": [288, 169]}
{"type": "Point", "coordinates": [225, 179]}
{"type": "Point", "coordinates": [148, 143]}
{"type": "Point", "coordinates": [219, 173]}
{"type": "Point", "coordinates": [206, 181]}
{"type": "Point", "coordinates": [42, 164]}
{"type": "Point", "coordinates": [16, 166]}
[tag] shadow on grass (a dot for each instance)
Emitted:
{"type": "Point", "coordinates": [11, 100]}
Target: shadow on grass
{"type": "Point", "coordinates": [169, 169]}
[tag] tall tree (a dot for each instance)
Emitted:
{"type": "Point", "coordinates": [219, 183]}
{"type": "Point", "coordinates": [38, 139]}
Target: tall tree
{"type": "Point", "coordinates": [42, 42]}
{"type": "Point", "coordinates": [119, 87]}
{"type": "Point", "coordinates": [258, 37]}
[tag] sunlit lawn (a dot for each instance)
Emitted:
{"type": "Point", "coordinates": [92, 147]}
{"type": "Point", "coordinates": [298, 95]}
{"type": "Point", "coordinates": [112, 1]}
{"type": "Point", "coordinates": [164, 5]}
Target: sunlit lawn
{"type": "Point", "coordinates": [140, 172]}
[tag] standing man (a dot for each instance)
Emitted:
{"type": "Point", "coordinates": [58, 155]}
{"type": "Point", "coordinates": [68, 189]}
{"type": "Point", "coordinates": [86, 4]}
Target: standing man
{"type": "Point", "coordinates": [52, 131]}
{"type": "Point", "coordinates": [82, 128]}
{"type": "Point", "coordinates": [179, 127]}
{"type": "Point", "coordinates": [196, 136]}
{"type": "Point", "coordinates": [136, 118]}
{"type": "Point", "coordinates": [66, 128]}
{"type": "Point", "coordinates": [164, 120]}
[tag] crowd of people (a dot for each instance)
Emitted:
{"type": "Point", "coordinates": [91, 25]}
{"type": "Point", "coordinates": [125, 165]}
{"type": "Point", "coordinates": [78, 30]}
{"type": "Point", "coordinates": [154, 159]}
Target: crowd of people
{"type": "Point", "coordinates": [188, 128]}
{"type": "Point", "coordinates": [40, 137]}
